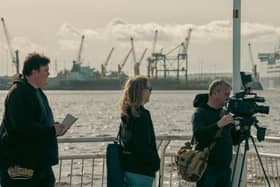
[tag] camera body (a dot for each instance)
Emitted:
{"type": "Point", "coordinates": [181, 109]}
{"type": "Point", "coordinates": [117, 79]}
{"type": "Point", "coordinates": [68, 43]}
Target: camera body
{"type": "Point", "coordinates": [244, 104]}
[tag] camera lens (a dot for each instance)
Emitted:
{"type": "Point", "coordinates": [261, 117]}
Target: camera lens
{"type": "Point", "coordinates": [262, 109]}
{"type": "Point", "coordinates": [259, 99]}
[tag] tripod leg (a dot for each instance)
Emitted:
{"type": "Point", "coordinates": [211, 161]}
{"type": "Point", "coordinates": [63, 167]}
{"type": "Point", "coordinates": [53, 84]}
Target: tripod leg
{"type": "Point", "coordinates": [243, 161]}
{"type": "Point", "coordinates": [234, 165]}
{"type": "Point", "coordinates": [260, 160]}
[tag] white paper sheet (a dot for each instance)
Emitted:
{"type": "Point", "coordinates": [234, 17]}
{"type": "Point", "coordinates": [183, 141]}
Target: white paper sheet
{"type": "Point", "coordinates": [68, 121]}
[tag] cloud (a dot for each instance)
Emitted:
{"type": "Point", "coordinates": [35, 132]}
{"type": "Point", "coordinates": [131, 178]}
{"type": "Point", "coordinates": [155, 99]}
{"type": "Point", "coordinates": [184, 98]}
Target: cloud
{"type": "Point", "coordinates": [68, 44]}
{"type": "Point", "coordinates": [117, 21]}
{"type": "Point", "coordinates": [24, 45]}
{"type": "Point", "coordinates": [260, 32]}
{"type": "Point", "coordinates": [117, 33]}
{"type": "Point", "coordinates": [221, 30]}
{"type": "Point", "coordinates": [119, 30]}
{"type": "Point", "coordinates": [69, 31]}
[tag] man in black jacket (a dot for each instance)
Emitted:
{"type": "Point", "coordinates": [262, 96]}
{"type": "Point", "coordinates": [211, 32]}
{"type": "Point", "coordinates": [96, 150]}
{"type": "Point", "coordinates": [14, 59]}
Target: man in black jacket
{"type": "Point", "coordinates": [28, 132]}
{"type": "Point", "coordinates": [207, 120]}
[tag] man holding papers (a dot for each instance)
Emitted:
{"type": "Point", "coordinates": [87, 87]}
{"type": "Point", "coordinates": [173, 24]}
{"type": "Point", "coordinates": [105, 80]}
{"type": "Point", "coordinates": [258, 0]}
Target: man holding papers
{"type": "Point", "coordinates": [28, 133]}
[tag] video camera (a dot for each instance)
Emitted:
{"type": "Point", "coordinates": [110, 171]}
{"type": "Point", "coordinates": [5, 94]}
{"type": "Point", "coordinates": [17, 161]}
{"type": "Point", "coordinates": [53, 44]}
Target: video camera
{"type": "Point", "coordinates": [243, 105]}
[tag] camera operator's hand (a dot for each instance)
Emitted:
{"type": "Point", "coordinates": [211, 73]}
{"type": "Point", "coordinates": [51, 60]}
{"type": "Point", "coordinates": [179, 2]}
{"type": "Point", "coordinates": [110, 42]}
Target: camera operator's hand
{"type": "Point", "coordinates": [225, 120]}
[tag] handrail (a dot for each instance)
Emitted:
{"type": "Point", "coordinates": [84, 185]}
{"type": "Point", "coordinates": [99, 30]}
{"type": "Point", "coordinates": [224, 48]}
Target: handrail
{"type": "Point", "coordinates": [90, 168]}
{"type": "Point", "coordinates": [160, 137]}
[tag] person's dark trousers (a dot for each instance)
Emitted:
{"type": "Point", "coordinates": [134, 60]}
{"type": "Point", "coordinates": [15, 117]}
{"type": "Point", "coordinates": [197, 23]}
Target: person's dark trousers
{"type": "Point", "coordinates": [41, 178]}
{"type": "Point", "coordinates": [215, 177]}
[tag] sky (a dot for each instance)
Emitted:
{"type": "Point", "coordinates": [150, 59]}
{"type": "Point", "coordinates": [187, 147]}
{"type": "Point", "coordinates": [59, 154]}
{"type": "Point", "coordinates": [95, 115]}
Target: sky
{"type": "Point", "coordinates": [54, 27]}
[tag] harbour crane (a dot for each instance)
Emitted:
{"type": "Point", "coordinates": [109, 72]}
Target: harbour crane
{"type": "Point", "coordinates": [183, 54]}
{"type": "Point", "coordinates": [104, 66]}
{"type": "Point", "coordinates": [152, 64]}
{"type": "Point", "coordinates": [155, 41]}
{"type": "Point", "coordinates": [77, 63]}
{"type": "Point", "coordinates": [120, 66]}
{"type": "Point", "coordinates": [73, 30]}
{"type": "Point", "coordinates": [79, 57]}
{"type": "Point", "coordinates": [186, 44]}
{"type": "Point", "coordinates": [13, 53]}
{"type": "Point", "coordinates": [187, 40]}
{"type": "Point", "coordinates": [181, 45]}
{"type": "Point", "coordinates": [133, 50]}
{"type": "Point", "coordinates": [137, 64]}
{"type": "Point", "coordinates": [172, 63]}
{"type": "Point", "coordinates": [254, 66]}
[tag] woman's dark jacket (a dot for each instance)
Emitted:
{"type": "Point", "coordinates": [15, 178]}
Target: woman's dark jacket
{"type": "Point", "coordinates": [138, 140]}
{"type": "Point", "coordinates": [205, 128]}
{"type": "Point", "coordinates": [28, 137]}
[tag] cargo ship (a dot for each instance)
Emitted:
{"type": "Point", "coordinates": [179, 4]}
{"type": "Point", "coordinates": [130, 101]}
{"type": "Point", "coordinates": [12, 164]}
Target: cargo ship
{"type": "Point", "coordinates": [272, 61]}
{"type": "Point", "coordinates": [87, 78]}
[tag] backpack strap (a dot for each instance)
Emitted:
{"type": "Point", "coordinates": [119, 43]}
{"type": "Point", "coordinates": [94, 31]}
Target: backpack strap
{"type": "Point", "coordinates": [212, 145]}
{"type": "Point", "coordinates": [192, 141]}
{"type": "Point", "coordinates": [217, 135]}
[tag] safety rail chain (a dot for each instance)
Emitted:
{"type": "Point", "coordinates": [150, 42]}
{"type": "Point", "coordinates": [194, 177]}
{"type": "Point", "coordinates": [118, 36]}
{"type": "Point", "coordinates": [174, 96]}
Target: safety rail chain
{"type": "Point", "coordinates": [89, 169]}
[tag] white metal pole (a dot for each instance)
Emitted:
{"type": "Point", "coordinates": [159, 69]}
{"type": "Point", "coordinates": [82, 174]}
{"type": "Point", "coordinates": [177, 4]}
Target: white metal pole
{"type": "Point", "coordinates": [236, 83]}
{"type": "Point", "coordinates": [236, 46]}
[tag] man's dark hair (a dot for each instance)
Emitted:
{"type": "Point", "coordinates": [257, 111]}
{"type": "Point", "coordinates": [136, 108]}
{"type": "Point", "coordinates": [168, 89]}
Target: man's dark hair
{"type": "Point", "coordinates": [34, 61]}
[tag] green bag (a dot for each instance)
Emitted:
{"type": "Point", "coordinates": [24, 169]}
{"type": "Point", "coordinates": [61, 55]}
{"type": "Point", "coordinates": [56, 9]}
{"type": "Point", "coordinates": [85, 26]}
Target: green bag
{"type": "Point", "coordinates": [191, 164]}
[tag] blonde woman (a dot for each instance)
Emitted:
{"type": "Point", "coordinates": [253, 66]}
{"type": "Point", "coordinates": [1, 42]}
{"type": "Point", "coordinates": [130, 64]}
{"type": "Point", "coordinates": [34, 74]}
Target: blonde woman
{"type": "Point", "coordinates": [137, 136]}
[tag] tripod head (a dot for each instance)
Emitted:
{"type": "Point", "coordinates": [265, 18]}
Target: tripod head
{"type": "Point", "coordinates": [245, 124]}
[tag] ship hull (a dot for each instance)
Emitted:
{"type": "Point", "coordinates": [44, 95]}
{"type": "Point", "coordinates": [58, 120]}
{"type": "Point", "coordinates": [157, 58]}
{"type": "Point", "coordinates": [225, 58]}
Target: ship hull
{"type": "Point", "coordinates": [113, 84]}
{"type": "Point", "coordinates": [271, 82]}
{"type": "Point", "coordinates": [116, 84]}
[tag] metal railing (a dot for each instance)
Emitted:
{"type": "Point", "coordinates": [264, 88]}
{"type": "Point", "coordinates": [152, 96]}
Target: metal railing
{"type": "Point", "coordinates": [89, 169]}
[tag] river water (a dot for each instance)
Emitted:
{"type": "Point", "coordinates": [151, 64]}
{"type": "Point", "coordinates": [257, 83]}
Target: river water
{"type": "Point", "coordinates": [98, 111]}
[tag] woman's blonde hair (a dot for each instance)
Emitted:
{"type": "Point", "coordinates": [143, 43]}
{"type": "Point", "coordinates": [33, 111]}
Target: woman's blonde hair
{"type": "Point", "coordinates": [132, 97]}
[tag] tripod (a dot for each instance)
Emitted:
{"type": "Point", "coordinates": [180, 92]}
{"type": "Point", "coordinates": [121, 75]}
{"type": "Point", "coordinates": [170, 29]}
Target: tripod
{"type": "Point", "coordinates": [246, 148]}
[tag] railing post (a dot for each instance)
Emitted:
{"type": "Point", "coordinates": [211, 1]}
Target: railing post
{"type": "Point", "coordinates": [161, 171]}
